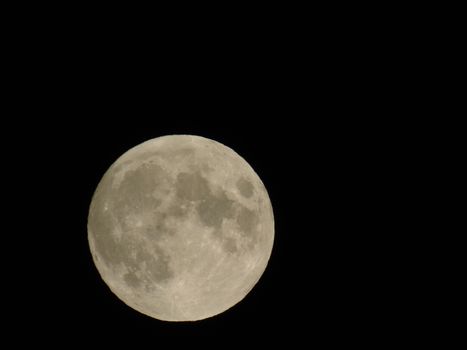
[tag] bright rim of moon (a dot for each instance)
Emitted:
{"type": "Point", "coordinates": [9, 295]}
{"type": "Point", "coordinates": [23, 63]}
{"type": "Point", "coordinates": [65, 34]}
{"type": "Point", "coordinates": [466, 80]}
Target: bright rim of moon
{"type": "Point", "coordinates": [181, 228]}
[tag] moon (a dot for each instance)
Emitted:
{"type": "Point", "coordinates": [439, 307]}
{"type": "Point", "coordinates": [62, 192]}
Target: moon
{"type": "Point", "coordinates": [180, 228]}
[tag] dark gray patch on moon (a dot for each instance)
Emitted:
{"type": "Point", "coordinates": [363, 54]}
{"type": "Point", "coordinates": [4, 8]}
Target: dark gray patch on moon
{"type": "Point", "coordinates": [191, 186]}
{"type": "Point", "coordinates": [159, 226]}
{"type": "Point", "coordinates": [206, 168]}
{"type": "Point", "coordinates": [247, 220]}
{"type": "Point", "coordinates": [230, 245]}
{"type": "Point", "coordinates": [136, 190]}
{"type": "Point", "coordinates": [214, 209]}
{"type": "Point", "coordinates": [160, 230]}
{"type": "Point", "coordinates": [152, 231]}
{"type": "Point", "coordinates": [211, 208]}
{"type": "Point", "coordinates": [245, 187]}
{"type": "Point", "coordinates": [158, 265]}
{"type": "Point", "coordinates": [131, 280]}
{"type": "Point", "coordinates": [177, 210]}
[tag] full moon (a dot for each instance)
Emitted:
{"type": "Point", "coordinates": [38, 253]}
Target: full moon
{"type": "Point", "coordinates": [180, 228]}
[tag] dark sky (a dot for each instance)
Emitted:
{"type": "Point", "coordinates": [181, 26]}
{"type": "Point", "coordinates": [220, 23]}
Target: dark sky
{"type": "Point", "coordinates": [320, 103]}
{"type": "Point", "coordinates": [313, 280]}
{"type": "Point", "coordinates": [317, 150]}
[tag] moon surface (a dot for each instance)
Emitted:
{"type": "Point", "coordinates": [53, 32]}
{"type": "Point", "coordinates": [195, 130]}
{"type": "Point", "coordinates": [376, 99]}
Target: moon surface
{"type": "Point", "coordinates": [180, 228]}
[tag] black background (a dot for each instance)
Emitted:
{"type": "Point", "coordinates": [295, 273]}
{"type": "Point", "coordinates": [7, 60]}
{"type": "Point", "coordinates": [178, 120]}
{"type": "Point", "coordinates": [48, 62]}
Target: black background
{"type": "Point", "coordinates": [314, 281]}
{"type": "Point", "coordinates": [309, 116]}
